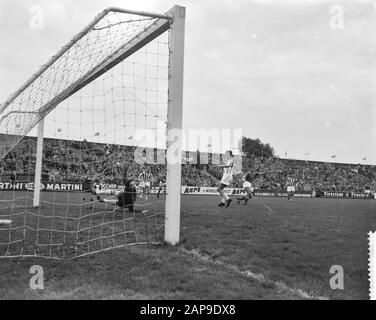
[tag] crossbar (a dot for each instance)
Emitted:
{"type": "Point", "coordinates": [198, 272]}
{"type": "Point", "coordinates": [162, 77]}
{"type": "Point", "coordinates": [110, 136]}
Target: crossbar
{"type": "Point", "coordinates": [71, 43]}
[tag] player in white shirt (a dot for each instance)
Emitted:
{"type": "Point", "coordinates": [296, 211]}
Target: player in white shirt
{"type": "Point", "coordinates": [247, 185]}
{"type": "Point", "coordinates": [145, 178]}
{"type": "Point", "coordinates": [291, 187]}
{"type": "Point", "coordinates": [148, 180]}
{"type": "Point", "coordinates": [226, 180]}
{"type": "Point", "coordinates": [141, 184]}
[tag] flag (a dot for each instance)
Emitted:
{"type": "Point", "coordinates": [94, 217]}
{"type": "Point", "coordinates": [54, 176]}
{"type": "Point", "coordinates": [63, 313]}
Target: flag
{"type": "Point", "coordinates": [365, 158]}
{"type": "Point", "coordinates": [334, 156]}
{"type": "Point", "coordinates": [97, 134]}
{"type": "Point", "coordinates": [307, 154]}
{"type": "Point", "coordinates": [59, 130]}
{"type": "Point", "coordinates": [354, 170]}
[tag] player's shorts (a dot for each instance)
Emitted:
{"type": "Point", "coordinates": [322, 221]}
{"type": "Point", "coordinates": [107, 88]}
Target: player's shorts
{"type": "Point", "coordinates": [247, 184]}
{"type": "Point", "coordinates": [290, 189]}
{"type": "Point", "coordinates": [148, 184]}
{"type": "Point", "coordinates": [142, 184]}
{"type": "Point", "coordinates": [226, 179]}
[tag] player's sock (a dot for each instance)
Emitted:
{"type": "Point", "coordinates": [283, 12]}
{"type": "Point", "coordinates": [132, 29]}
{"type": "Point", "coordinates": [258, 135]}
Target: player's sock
{"type": "Point", "coordinates": [228, 201]}
{"type": "Point", "coordinates": [221, 196]}
{"type": "Point", "coordinates": [222, 203]}
{"type": "Point", "coordinates": [241, 199]}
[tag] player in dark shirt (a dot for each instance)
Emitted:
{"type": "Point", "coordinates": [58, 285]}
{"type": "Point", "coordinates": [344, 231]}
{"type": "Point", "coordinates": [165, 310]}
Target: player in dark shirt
{"type": "Point", "coordinates": [162, 185]}
{"type": "Point", "coordinates": [13, 178]}
{"type": "Point", "coordinates": [126, 198]}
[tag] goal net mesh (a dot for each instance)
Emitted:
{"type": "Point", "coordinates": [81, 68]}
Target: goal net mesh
{"type": "Point", "coordinates": [98, 104]}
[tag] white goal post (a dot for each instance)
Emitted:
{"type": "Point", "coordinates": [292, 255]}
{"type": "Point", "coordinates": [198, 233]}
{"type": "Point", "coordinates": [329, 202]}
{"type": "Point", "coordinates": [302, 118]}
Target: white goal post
{"type": "Point", "coordinates": [28, 107]}
{"type": "Point", "coordinates": [175, 119]}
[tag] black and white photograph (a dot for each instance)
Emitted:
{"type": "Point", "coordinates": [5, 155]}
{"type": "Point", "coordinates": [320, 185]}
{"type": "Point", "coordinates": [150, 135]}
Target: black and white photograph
{"type": "Point", "coordinates": [162, 151]}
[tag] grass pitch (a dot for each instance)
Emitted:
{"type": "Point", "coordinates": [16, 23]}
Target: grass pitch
{"type": "Point", "coordinates": [270, 249]}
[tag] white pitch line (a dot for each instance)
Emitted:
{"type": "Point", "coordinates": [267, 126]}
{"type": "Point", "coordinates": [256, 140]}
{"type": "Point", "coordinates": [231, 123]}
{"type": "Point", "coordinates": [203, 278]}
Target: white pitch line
{"type": "Point", "coordinates": [269, 209]}
{"type": "Point", "coordinates": [251, 275]}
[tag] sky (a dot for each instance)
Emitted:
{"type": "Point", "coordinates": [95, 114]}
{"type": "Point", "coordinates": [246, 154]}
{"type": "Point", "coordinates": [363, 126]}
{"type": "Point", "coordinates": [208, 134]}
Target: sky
{"type": "Point", "coordinates": [298, 74]}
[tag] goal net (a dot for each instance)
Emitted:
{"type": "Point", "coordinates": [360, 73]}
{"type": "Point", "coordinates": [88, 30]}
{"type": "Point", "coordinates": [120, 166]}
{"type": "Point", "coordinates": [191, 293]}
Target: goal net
{"type": "Point", "coordinates": [96, 116]}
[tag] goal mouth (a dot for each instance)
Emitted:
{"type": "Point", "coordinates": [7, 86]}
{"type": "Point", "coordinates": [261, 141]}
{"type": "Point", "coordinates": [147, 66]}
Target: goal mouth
{"type": "Point", "coordinates": [77, 229]}
{"type": "Point", "coordinates": [78, 122]}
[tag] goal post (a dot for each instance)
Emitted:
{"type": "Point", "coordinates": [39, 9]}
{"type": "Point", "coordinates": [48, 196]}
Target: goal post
{"type": "Point", "coordinates": [38, 164]}
{"type": "Point", "coordinates": [175, 118]}
{"type": "Point", "coordinates": [121, 73]}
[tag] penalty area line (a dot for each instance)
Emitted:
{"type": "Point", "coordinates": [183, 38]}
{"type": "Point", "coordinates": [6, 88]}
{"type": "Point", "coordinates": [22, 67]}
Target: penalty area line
{"type": "Point", "coordinates": [268, 208]}
{"type": "Point", "coordinates": [259, 277]}
{"type": "Point", "coordinates": [264, 205]}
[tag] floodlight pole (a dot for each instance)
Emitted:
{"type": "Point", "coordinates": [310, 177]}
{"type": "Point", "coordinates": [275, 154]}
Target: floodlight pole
{"type": "Point", "coordinates": [38, 164]}
{"type": "Point", "coordinates": [174, 125]}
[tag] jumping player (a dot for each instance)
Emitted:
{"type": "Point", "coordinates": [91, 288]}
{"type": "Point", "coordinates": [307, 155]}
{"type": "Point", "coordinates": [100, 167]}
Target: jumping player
{"type": "Point", "coordinates": [226, 180]}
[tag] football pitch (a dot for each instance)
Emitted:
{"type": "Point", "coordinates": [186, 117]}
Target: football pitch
{"type": "Point", "coordinates": [271, 248]}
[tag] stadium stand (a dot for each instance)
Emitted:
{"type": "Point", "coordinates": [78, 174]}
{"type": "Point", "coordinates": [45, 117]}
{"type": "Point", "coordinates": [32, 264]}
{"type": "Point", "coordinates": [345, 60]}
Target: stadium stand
{"type": "Point", "coordinates": [108, 164]}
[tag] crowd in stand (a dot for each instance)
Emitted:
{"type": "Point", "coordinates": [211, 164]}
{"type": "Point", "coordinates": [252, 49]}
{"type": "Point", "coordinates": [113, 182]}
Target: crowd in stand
{"type": "Point", "coordinates": [311, 175]}
{"type": "Point", "coordinates": [192, 176]}
{"type": "Point", "coordinates": [75, 161]}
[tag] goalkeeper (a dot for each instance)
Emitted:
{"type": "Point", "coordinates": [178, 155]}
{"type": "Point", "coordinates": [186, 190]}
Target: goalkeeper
{"type": "Point", "coordinates": [124, 199]}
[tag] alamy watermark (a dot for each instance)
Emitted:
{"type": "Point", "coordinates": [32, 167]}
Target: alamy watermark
{"type": "Point", "coordinates": [37, 278]}
{"type": "Point", "coordinates": [194, 146]}
{"type": "Point", "coordinates": [337, 14]}
{"type": "Point", "coordinates": [337, 281]}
